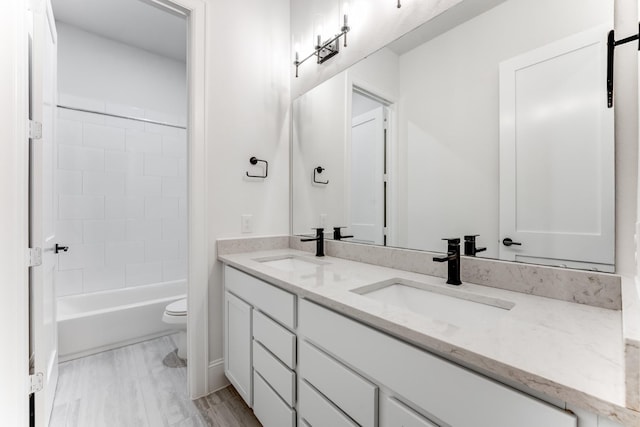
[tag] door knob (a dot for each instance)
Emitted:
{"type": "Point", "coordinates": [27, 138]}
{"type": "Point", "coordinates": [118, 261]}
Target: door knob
{"type": "Point", "coordinates": [509, 242]}
{"type": "Point", "coordinates": [61, 248]}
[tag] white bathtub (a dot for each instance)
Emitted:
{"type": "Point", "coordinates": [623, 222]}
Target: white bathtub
{"type": "Point", "coordinates": [100, 321]}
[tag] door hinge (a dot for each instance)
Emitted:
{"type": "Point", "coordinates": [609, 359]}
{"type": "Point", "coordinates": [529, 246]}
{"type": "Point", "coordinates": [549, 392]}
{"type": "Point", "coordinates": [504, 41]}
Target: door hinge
{"type": "Point", "coordinates": [35, 130]}
{"type": "Point", "coordinates": [36, 382]}
{"type": "Point", "coordinates": [34, 257]}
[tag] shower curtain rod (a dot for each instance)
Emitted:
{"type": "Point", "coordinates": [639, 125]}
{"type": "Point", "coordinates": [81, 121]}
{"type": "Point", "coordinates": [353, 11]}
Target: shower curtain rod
{"type": "Point", "coordinates": [122, 117]}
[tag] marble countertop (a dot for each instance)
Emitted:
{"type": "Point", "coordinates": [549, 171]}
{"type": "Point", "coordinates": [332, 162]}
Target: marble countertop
{"type": "Point", "coordinates": [566, 351]}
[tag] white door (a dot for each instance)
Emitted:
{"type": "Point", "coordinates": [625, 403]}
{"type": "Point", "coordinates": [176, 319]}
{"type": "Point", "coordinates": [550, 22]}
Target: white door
{"type": "Point", "coordinates": [557, 155]}
{"type": "Point", "coordinates": [367, 177]}
{"type": "Point", "coordinates": [43, 327]}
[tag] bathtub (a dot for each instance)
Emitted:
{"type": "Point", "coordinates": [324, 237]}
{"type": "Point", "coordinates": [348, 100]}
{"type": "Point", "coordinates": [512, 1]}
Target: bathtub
{"type": "Point", "coordinates": [100, 321]}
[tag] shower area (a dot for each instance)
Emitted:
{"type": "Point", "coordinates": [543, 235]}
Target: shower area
{"type": "Point", "coordinates": [121, 172]}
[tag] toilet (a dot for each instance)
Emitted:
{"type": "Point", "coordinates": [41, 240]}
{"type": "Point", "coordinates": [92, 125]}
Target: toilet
{"type": "Point", "coordinates": [175, 315]}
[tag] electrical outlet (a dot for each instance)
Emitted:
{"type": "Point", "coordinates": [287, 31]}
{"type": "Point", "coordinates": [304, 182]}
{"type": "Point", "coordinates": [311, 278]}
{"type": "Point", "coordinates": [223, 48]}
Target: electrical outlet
{"type": "Point", "coordinates": [246, 223]}
{"type": "Point", "coordinates": [323, 220]}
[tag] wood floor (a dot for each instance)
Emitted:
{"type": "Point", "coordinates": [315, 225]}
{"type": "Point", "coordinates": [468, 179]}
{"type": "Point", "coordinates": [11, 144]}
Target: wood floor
{"type": "Point", "coordinates": [141, 385]}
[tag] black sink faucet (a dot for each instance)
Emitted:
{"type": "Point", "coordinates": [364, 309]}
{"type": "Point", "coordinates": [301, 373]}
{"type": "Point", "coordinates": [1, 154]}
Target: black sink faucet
{"type": "Point", "coordinates": [470, 248]}
{"type": "Point", "coordinates": [453, 258]}
{"type": "Point", "coordinates": [319, 239]}
{"type": "Point", "coordinates": [337, 235]}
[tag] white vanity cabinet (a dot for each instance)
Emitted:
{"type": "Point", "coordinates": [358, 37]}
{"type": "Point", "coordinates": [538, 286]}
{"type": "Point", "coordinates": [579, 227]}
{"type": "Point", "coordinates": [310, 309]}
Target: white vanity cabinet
{"type": "Point", "coordinates": [440, 389]}
{"type": "Point", "coordinates": [260, 347]}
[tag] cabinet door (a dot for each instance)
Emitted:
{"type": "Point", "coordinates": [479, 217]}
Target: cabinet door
{"type": "Point", "coordinates": [237, 340]}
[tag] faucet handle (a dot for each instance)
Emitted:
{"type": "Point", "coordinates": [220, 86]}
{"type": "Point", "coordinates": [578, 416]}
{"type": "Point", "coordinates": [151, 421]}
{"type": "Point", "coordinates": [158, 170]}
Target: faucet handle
{"type": "Point", "coordinates": [453, 241]}
{"type": "Point", "coordinates": [337, 235]}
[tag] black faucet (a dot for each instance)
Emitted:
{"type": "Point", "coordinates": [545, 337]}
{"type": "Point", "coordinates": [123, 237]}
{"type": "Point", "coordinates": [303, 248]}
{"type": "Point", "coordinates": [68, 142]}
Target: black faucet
{"type": "Point", "coordinates": [470, 248]}
{"type": "Point", "coordinates": [453, 257]}
{"type": "Point", "coordinates": [319, 239]}
{"type": "Point", "coordinates": [337, 235]}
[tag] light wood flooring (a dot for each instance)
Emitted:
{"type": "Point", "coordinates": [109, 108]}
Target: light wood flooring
{"type": "Point", "coordinates": [141, 385]}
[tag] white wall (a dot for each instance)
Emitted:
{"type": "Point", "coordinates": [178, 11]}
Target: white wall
{"type": "Point", "coordinates": [247, 112]}
{"type": "Point", "coordinates": [450, 116]}
{"type": "Point", "coordinates": [98, 68]}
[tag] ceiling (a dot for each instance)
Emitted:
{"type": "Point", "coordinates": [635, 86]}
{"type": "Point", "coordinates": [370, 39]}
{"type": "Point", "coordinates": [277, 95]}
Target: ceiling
{"type": "Point", "coordinates": [133, 22]}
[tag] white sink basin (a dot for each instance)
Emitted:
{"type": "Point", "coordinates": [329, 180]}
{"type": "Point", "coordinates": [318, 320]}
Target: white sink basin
{"type": "Point", "coordinates": [436, 302]}
{"type": "Point", "coordinates": [291, 263]}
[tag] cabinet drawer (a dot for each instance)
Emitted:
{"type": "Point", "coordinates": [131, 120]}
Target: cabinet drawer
{"type": "Point", "coordinates": [268, 407]}
{"type": "Point", "coordinates": [394, 413]}
{"type": "Point", "coordinates": [316, 411]}
{"type": "Point", "coordinates": [279, 304]}
{"type": "Point", "coordinates": [275, 338]}
{"type": "Point", "coordinates": [279, 377]}
{"type": "Point", "coordinates": [354, 395]}
{"type": "Point", "coordinates": [452, 394]}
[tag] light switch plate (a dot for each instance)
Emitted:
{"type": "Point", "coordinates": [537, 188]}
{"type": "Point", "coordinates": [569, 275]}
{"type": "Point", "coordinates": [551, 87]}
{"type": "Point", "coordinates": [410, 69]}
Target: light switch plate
{"type": "Point", "coordinates": [246, 223]}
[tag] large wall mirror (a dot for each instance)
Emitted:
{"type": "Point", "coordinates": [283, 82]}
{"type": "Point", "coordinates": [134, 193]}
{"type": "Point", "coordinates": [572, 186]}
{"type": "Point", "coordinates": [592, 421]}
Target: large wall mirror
{"type": "Point", "coordinates": [489, 122]}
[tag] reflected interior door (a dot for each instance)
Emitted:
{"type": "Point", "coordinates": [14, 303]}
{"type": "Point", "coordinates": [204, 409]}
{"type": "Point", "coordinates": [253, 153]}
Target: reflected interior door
{"type": "Point", "coordinates": [43, 94]}
{"type": "Point", "coordinates": [557, 155]}
{"type": "Point", "coordinates": [367, 177]}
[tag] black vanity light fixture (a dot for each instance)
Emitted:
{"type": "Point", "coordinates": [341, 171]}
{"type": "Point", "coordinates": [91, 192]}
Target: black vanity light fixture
{"type": "Point", "coordinates": [611, 45]}
{"type": "Point", "coordinates": [326, 50]}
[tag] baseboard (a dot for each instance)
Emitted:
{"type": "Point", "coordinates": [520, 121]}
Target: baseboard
{"type": "Point", "coordinates": [95, 350]}
{"type": "Point", "coordinates": [217, 379]}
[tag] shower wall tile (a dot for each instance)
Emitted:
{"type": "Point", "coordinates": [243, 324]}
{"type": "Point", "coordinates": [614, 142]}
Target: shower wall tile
{"type": "Point", "coordinates": [143, 274]}
{"type": "Point", "coordinates": [161, 207]}
{"type": "Point", "coordinates": [101, 136]}
{"type": "Point", "coordinates": [131, 164]}
{"type": "Point", "coordinates": [104, 184]}
{"type": "Point", "coordinates": [69, 182]}
{"type": "Point", "coordinates": [144, 186]}
{"type": "Point", "coordinates": [122, 199]}
{"type": "Point", "coordinates": [157, 165]}
{"type": "Point", "coordinates": [124, 208]}
{"type": "Point", "coordinates": [81, 207]}
{"type": "Point", "coordinates": [144, 229]}
{"type": "Point", "coordinates": [69, 132]}
{"type": "Point", "coordinates": [72, 157]}
{"type": "Point", "coordinates": [143, 142]}
{"type": "Point", "coordinates": [68, 282]}
{"type": "Point", "coordinates": [69, 232]}
{"type": "Point", "coordinates": [126, 111]}
{"type": "Point", "coordinates": [121, 253]}
{"type": "Point", "coordinates": [102, 279]}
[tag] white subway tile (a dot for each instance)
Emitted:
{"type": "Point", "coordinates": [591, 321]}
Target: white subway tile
{"type": "Point", "coordinates": [124, 161]}
{"type": "Point", "coordinates": [69, 182]}
{"type": "Point", "coordinates": [124, 207]}
{"type": "Point", "coordinates": [100, 136]}
{"type": "Point", "coordinates": [72, 157]}
{"type": "Point", "coordinates": [124, 123]}
{"type": "Point", "coordinates": [174, 229]}
{"type": "Point", "coordinates": [161, 250]}
{"type": "Point", "coordinates": [81, 207]}
{"type": "Point", "coordinates": [104, 278]}
{"type": "Point", "coordinates": [160, 166]}
{"type": "Point", "coordinates": [144, 185]}
{"type": "Point", "coordinates": [68, 282]}
{"type": "Point", "coordinates": [174, 270]}
{"type": "Point", "coordinates": [125, 110]}
{"type": "Point", "coordinates": [103, 184]}
{"type": "Point", "coordinates": [121, 253]}
{"type": "Point", "coordinates": [148, 229]}
{"type": "Point", "coordinates": [80, 116]}
{"type": "Point", "coordinates": [79, 256]}
{"type": "Point", "coordinates": [161, 207]}
{"type": "Point", "coordinates": [92, 104]}
{"type": "Point", "coordinates": [69, 232]}
{"type": "Point", "coordinates": [166, 118]}
{"type": "Point", "coordinates": [69, 132]}
{"type": "Point", "coordinates": [143, 142]}
{"type": "Point", "coordinates": [104, 231]}
{"type": "Point", "coordinates": [174, 146]}
{"type": "Point", "coordinates": [143, 274]}
{"type": "Point", "coordinates": [174, 187]}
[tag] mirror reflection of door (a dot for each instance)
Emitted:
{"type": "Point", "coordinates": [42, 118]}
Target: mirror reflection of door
{"type": "Point", "coordinates": [368, 169]}
{"type": "Point", "coordinates": [556, 155]}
